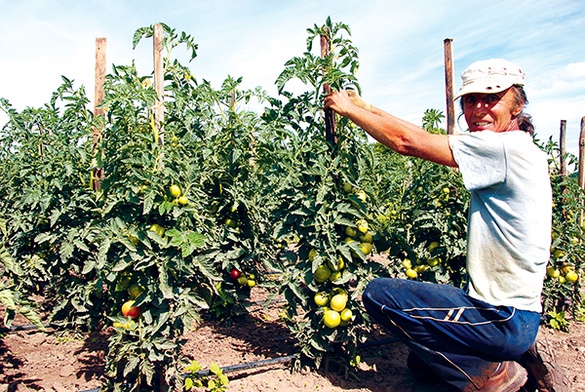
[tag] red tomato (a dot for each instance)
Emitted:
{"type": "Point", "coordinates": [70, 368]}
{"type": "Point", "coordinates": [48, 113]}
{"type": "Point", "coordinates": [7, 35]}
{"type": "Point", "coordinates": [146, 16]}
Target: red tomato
{"type": "Point", "coordinates": [235, 274]}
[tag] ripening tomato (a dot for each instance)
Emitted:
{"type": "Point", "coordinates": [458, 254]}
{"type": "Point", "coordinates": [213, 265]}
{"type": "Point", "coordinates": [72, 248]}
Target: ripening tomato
{"type": "Point", "coordinates": [362, 226]}
{"type": "Point", "coordinates": [338, 302]}
{"type": "Point", "coordinates": [321, 298]}
{"type": "Point", "coordinates": [346, 315]}
{"type": "Point", "coordinates": [322, 273]}
{"type": "Point", "coordinates": [235, 274]}
{"type": "Point", "coordinates": [129, 310]}
{"type": "Point", "coordinates": [135, 290]}
{"type": "Point", "coordinates": [571, 276]}
{"type": "Point", "coordinates": [331, 318]}
{"type": "Point", "coordinates": [175, 191]}
{"type": "Point", "coordinates": [158, 229]}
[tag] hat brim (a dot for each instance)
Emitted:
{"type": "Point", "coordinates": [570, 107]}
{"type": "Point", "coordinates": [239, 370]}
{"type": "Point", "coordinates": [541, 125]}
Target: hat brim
{"type": "Point", "coordinates": [478, 87]}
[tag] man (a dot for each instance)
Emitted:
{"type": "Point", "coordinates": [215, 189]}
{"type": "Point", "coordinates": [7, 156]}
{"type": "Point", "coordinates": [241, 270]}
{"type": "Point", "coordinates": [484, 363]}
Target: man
{"type": "Point", "coordinates": [473, 338]}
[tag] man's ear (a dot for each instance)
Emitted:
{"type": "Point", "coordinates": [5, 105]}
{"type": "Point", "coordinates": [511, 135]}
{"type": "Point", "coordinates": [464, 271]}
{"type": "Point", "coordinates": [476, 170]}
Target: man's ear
{"type": "Point", "coordinates": [517, 111]}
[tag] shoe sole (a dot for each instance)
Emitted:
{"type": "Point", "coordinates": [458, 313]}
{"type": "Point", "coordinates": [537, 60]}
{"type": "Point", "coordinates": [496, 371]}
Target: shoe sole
{"type": "Point", "coordinates": [544, 373]}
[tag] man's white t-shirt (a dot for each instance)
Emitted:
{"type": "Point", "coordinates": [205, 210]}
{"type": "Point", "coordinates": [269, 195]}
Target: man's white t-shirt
{"type": "Point", "coordinates": [509, 227]}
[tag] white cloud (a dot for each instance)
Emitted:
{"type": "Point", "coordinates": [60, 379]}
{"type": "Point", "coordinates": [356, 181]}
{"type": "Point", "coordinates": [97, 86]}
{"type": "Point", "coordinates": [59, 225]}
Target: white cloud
{"type": "Point", "coordinates": [576, 70]}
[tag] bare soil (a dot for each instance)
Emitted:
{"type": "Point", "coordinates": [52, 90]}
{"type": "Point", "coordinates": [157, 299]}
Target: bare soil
{"type": "Point", "coordinates": [59, 361]}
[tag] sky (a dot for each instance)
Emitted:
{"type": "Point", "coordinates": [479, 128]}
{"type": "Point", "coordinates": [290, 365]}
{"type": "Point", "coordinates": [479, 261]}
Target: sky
{"type": "Point", "coordinates": [401, 47]}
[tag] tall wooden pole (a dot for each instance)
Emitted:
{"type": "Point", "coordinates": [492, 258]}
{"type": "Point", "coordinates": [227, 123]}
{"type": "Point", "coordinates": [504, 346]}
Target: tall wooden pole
{"type": "Point", "coordinates": [582, 154]}
{"type": "Point", "coordinates": [100, 77]}
{"type": "Point", "coordinates": [330, 132]}
{"type": "Point", "coordinates": [581, 178]}
{"type": "Point", "coordinates": [159, 108]}
{"type": "Point", "coordinates": [449, 93]}
{"type": "Point", "coordinates": [563, 148]}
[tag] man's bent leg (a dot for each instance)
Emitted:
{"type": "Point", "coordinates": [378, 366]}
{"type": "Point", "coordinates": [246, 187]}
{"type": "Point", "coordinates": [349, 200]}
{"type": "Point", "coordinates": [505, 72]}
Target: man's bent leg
{"type": "Point", "coordinates": [460, 338]}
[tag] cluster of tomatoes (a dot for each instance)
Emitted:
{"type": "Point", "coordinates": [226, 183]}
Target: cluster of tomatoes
{"type": "Point", "coordinates": [175, 191]}
{"type": "Point", "coordinates": [243, 279]}
{"type": "Point", "coordinates": [565, 274]}
{"type": "Point", "coordinates": [412, 270]}
{"type": "Point", "coordinates": [335, 301]}
{"type": "Point", "coordinates": [178, 197]}
{"type": "Point", "coordinates": [134, 290]}
{"type": "Point", "coordinates": [336, 313]}
{"type": "Point", "coordinates": [360, 235]}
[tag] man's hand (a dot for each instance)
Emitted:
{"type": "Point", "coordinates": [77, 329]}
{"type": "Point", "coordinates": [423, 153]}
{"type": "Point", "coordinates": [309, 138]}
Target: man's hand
{"type": "Point", "coordinates": [357, 100]}
{"type": "Point", "coordinates": [345, 101]}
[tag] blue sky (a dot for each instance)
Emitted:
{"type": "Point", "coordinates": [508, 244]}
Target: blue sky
{"type": "Point", "coordinates": [400, 44]}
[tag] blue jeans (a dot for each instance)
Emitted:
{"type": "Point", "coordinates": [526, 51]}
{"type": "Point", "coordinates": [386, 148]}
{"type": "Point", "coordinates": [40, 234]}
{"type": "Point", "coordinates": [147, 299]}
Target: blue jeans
{"type": "Point", "coordinates": [461, 338]}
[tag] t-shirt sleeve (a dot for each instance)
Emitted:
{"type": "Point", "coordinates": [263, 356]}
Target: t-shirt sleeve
{"type": "Point", "coordinates": [481, 158]}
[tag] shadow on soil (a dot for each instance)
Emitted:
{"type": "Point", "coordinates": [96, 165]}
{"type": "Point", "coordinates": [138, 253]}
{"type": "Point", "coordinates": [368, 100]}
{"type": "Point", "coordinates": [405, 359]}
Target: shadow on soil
{"type": "Point", "coordinates": [383, 359]}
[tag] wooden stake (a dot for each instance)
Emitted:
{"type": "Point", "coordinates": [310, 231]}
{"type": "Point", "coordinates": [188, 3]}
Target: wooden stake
{"type": "Point", "coordinates": [581, 174]}
{"type": "Point", "coordinates": [330, 132]}
{"type": "Point", "coordinates": [562, 147]}
{"type": "Point", "coordinates": [159, 108]}
{"type": "Point", "coordinates": [100, 77]}
{"type": "Point", "coordinates": [582, 154]}
{"type": "Point", "coordinates": [449, 93]}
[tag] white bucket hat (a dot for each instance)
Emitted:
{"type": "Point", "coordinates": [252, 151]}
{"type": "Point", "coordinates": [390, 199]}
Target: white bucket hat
{"type": "Point", "coordinates": [490, 77]}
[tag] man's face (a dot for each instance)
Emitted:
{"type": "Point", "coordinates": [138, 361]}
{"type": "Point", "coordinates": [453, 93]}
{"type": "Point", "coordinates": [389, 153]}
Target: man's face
{"type": "Point", "coordinates": [491, 112]}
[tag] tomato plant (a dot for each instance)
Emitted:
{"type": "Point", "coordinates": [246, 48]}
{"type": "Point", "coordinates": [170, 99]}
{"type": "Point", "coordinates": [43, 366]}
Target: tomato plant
{"type": "Point", "coordinates": [47, 205]}
{"type": "Point", "coordinates": [180, 253]}
{"type": "Point", "coordinates": [562, 294]}
{"type": "Point", "coordinates": [316, 207]}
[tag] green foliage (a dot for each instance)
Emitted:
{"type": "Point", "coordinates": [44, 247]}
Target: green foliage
{"type": "Point", "coordinates": [213, 381]}
{"type": "Point", "coordinates": [13, 305]}
{"type": "Point", "coordinates": [558, 321]}
{"type": "Point", "coordinates": [580, 315]}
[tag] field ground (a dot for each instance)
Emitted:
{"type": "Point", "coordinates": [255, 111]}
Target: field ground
{"type": "Point", "coordinates": [31, 360]}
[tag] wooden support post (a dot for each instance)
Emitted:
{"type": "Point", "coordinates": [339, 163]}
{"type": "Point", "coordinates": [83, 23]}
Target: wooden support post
{"type": "Point", "coordinates": [563, 148]}
{"type": "Point", "coordinates": [100, 77]}
{"type": "Point", "coordinates": [159, 108]}
{"type": "Point", "coordinates": [449, 92]}
{"type": "Point", "coordinates": [330, 132]}
{"type": "Point", "coordinates": [581, 174]}
{"type": "Point", "coordinates": [582, 154]}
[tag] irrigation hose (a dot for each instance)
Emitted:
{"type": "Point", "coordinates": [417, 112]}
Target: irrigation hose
{"type": "Point", "coordinates": [250, 365]}
{"type": "Point", "coordinates": [271, 361]}
{"type": "Point", "coordinates": [235, 368]}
